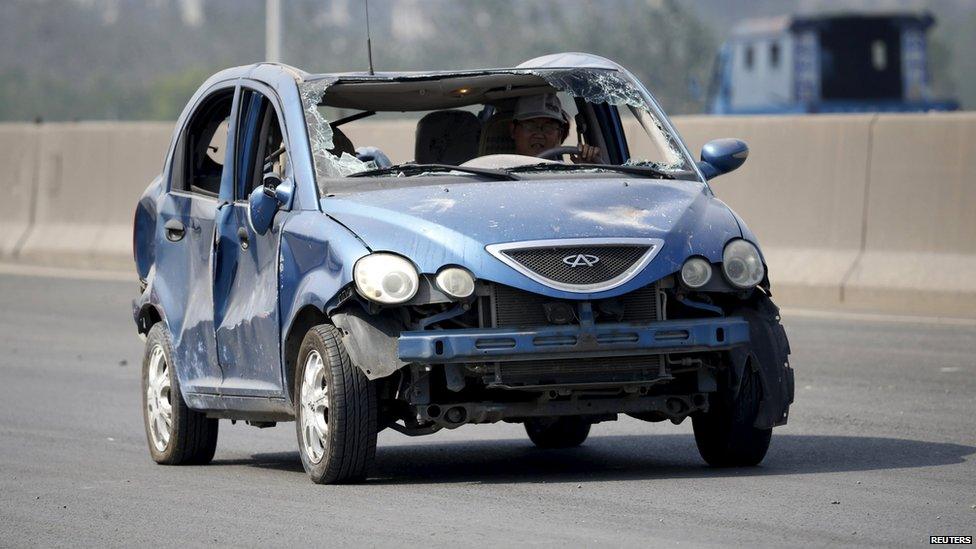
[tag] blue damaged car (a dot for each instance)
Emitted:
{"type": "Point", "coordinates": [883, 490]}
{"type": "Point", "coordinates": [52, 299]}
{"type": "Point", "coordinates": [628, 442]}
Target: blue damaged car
{"type": "Point", "coordinates": [301, 262]}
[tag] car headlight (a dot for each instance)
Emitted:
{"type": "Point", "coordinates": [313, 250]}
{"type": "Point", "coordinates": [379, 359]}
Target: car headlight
{"type": "Point", "coordinates": [696, 272]}
{"type": "Point", "coordinates": [385, 278]}
{"type": "Point", "coordinates": [455, 282]}
{"type": "Point", "coordinates": [742, 265]}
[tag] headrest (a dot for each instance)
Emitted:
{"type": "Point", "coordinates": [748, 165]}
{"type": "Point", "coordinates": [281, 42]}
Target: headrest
{"type": "Point", "coordinates": [447, 137]}
{"type": "Point", "coordinates": [497, 135]}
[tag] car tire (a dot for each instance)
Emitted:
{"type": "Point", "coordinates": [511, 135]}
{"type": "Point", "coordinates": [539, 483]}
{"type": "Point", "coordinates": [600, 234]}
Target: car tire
{"type": "Point", "coordinates": [725, 434]}
{"type": "Point", "coordinates": [176, 434]}
{"type": "Point", "coordinates": [335, 410]}
{"type": "Point", "coordinates": [557, 432]}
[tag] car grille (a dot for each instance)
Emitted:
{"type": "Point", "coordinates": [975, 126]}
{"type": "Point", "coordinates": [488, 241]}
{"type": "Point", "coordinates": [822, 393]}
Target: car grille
{"type": "Point", "coordinates": [548, 263]}
{"type": "Point", "coordinates": [515, 308]}
{"type": "Point", "coordinates": [619, 369]}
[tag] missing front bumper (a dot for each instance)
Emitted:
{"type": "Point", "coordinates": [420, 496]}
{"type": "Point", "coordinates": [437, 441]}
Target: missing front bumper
{"type": "Point", "coordinates": [565, 342]}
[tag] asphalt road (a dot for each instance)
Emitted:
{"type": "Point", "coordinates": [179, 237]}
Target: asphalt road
{"type": "Point", "coordinates": [879, 450]}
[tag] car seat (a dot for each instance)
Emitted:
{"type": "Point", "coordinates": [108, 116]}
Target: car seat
{"type": "Point", "coordinates": [496, 137]}
{"type": "Point", "coordinates": [447, 137]}
{"type": "Point", "coordinates": [496, 132]}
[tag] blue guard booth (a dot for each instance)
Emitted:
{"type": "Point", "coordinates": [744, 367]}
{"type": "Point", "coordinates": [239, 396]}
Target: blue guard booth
{"type": "Point", "coordinates": [826, 64]}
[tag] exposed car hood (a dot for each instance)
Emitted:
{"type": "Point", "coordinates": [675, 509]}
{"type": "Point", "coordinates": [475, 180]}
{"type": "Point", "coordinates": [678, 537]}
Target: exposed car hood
{"type": "Point", "coordinates": [451, 223]}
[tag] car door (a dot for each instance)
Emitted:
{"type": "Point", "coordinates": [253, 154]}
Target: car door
{"type": "Point", "coordinates": [185, 233]}
{"type": "Point", "coordinates": [245, 291]}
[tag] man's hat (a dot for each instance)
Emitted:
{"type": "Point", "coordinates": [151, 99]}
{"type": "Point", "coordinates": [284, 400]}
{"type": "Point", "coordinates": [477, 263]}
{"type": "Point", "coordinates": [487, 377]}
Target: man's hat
{"type": "Point", "coordinates": [544, 105]}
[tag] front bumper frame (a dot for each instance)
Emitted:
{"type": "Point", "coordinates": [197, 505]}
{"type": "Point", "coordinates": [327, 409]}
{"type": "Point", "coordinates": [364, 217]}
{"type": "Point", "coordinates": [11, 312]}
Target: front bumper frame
{"type": "Point", "coordinates": [576, 341]}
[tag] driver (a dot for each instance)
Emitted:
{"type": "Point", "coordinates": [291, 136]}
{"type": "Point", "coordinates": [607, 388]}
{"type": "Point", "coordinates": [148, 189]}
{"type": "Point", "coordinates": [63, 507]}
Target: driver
{"type": "Point", "coordinates": [540, 124]}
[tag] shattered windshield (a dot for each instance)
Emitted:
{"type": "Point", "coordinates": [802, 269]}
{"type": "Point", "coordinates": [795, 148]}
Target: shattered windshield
{"type": "Point", "coordinates": [368, 126]}
{"type": "Point", "coordinates": [329, 162]}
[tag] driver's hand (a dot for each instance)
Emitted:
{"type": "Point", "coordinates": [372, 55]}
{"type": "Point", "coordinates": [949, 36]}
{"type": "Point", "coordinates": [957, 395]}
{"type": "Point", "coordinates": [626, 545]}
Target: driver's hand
{"type": "Point", "coordinates": [588, 154]}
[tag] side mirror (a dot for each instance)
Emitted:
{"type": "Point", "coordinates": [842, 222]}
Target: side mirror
{"type": "Point", "coordinates": [721, 156]}
{"type": "Point", "coordinates": [264, 201]}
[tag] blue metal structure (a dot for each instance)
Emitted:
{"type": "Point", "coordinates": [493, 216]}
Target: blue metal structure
{"type": "Point", "coordinates": [239, 276]}
{"type": "Point", "coordinates": [832, 63]}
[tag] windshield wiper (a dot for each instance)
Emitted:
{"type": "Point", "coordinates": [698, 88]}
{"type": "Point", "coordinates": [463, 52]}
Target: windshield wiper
{"type": "Point", "coordinates": [415, 169]}
{"type": "Point", "coordinates": [645, 171]}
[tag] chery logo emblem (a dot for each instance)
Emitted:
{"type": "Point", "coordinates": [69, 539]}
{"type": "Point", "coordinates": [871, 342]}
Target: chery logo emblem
{"type": "Point", "coordinates": [581, 259]}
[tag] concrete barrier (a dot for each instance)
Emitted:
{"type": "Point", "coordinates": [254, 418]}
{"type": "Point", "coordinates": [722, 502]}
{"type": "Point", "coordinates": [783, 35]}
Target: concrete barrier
{"type": "Point", "coordinates": [861, 211]}
{"type": "Point", "coordinates": [18, 181]}
{"type": "Point", "coordinates": [920, 223]}
{"type": "Point", "coordinates": [393, 137]}
{"type": "Point", "coordinates": [801, 191]}
{"type": "Point", "coordinates": [90, 177]}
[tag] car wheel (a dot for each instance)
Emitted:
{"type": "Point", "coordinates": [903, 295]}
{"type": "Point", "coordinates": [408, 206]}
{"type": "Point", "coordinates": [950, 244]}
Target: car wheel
{"type": "Point", "coordinates": [557, 432]}
{"type": "Point", "coordinates": [335, 410]}
{"type": "Point", "coordinates": [176, 434]}
{"type": "Point", "coordinates": [725, 435]}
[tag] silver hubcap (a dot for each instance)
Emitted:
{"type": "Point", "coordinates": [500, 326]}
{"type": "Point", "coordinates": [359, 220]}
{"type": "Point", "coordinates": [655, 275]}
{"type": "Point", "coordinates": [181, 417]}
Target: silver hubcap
{"type": "Point", "coordinates": [158, 402]}
{"type": "Point", "coordinates": [314, 409]}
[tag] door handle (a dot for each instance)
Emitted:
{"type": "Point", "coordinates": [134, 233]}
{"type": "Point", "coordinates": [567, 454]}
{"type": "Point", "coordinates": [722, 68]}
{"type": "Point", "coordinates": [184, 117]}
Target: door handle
{"type": "Point", "coordinates": [242, 236]}
{"type": "Point", "coordinates": [175, 230]}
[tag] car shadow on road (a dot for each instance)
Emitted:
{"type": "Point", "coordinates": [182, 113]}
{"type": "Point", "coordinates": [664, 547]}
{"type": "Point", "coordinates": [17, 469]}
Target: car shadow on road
{"type": "Point", "coordinates": [628, 458]}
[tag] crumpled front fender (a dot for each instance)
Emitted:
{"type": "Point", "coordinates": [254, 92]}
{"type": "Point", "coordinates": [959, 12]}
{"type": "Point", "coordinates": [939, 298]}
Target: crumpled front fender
{"type": "Point", "coordinates": [768, 353]}
{"type": "Point", "coordinates": [370, 340]}
{"type": "Point", "coordinates": [315, 266]}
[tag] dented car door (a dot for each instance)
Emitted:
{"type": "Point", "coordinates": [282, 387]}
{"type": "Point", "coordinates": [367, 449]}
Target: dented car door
{"type": "Point", "coordinates": [200, 164]}
{"type": "Point", "coordinates": [245, 280]}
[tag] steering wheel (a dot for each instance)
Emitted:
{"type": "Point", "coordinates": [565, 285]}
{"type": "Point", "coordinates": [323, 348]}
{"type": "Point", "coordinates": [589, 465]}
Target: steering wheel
{"type": "Point", "coordinates": [557, 152]}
